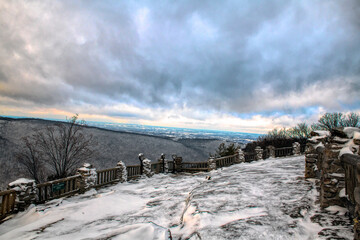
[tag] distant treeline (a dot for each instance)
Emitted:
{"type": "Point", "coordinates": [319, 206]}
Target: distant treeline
{"type": "Point", "coordinates": [285, 137]}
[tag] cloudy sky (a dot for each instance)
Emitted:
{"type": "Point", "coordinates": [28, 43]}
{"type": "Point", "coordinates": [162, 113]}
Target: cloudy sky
{"type": "Point", "coordinates": [230, 65]}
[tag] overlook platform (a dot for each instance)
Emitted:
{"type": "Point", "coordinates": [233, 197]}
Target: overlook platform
{"type": "Point", "coordinates": [267, 199]}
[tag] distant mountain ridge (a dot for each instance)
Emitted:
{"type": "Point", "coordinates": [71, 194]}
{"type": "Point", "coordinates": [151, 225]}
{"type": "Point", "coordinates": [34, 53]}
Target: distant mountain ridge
{"type": "Point", "coordinates": [113, 146]}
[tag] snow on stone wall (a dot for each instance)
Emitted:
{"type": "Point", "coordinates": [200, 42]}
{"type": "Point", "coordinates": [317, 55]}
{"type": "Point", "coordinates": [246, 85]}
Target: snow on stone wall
{"type": "Point", "coordinates": [147, 167]}
{"type": "Point", "coordinates": [122, 173]}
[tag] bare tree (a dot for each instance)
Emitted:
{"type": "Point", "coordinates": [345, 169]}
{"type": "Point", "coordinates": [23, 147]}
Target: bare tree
{"type": "Point", "coordinates": [331, 120]}
{"type": "Point", "coordinates": [352, 120]}
{"type": "Point", "coordinates": [301, 130]}
{"type": "Point", "coordinates": [62, 147]}
{"type": "Point", "coordinates": [31, 158]}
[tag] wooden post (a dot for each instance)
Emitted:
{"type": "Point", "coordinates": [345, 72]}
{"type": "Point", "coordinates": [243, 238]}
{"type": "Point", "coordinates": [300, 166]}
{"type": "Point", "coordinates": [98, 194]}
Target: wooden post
{"type": "Point", "coordinates": [141, 158]}
{"type": "Point", "coordinates": [162, 157]}
{"type": "Point", "coordinates": [174, 163]}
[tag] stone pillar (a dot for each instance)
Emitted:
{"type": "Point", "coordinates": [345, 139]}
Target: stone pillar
{"type": "Point", "coordinates": [271, 150]}
{"type": "Point", "coordinates": [240, 158]}
{"type": "Point", "coordinates": [211, 164]}
{"type": "Point", "coordinates": [147, 167]}
{"type": "Point", "coordinates": [259, 153]}
{"type": "Point", "coordinates": [311, 158]}
{"type": "Point", "coordinates": [88, 177]}
{"type": "Point", "coordinates": [166, 166]}
{"type": "Point", "coordinates": [178, 164]}
{"type": "Point", "coordinates": [332, 177]}
{"type": "Point", "coordinates": [121, 171]}
{"type": "Point", "coordinates": [332, 171]}
{"type": "Point", "coordinates": [25, 192]}
{"type": "Point", "coordinates": [163, 165]}
{"type": "Point", "coordinates": [296, 148]}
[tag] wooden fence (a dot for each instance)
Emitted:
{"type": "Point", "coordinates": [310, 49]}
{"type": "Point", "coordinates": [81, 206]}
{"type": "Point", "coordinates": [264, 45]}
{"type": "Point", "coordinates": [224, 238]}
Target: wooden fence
{"type": "Point", "coordinates": [194, 166]}
{"type": "Point", "coordinates": [249, 156]}
{"type": "Point", "coordinates": [7, 205]}
{"type": "Point", "coordinates": [58, 188]}
{"type": "Point", "coordinates": [133, 171]}
{"type": "Point", "coordinates": [225, 161]}
{"type": "Point", "coordinates": [106, 176]}
{"type": "Point", "coordinates": [282, 152]}
{"type": "Point", "coordinates": [171, 166]}
{"type": "Point", "coordinates": [71, 185]}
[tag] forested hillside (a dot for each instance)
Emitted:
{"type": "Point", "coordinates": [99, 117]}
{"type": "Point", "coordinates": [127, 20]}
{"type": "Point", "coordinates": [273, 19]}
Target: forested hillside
{"type": "Point", "coordinates": [112, 146]}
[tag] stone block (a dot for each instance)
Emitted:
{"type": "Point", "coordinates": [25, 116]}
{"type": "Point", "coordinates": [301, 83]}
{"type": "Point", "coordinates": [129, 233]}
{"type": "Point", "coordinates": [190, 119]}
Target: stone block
{"type": "Point", "coordinates": [88, 177]}
{"type": "Point", "coordinates": [26, 192]}
{"type": "Point", "coordinates": [121, 171]}
{"type": "Point", "coordinates": [310, 160]}
{"type": "Point", "coordinates": [211, 164]}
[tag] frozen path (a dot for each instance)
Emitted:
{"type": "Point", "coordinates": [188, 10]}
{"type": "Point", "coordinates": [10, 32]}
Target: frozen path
{"type": "Point", "coordinates": [259, 200]}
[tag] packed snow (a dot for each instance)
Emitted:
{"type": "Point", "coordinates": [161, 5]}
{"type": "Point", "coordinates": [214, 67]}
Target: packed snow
{"type": "Point", "coordinates": [267, 199]}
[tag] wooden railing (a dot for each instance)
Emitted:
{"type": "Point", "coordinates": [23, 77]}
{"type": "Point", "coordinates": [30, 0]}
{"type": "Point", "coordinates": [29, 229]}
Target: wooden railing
{"type": "Point", "coordinates": [156, 167]}
{"type": "Point", "coordinates": [106, 176]}
{"type": "Point", "coordinates": [225, 161]}
{"type": "Point", "coordinates": [58, 188]}
{"type": "Point", "coordinates": [282, 152]}
{"type": "Point", "coordinates": [266, 154]}
{"type": "Point", "coordinates": [7, 205]}
{"type": "Point", "coordinates": [249, 157]}
{"type": "Point", "coordinates": [71, 185]}
{"type": "Point", "coordinates": [194, 166]}
{"type": "Point", "coordinates": [133, 171]}
{"type": "Point", "coordinates": [351, 164]}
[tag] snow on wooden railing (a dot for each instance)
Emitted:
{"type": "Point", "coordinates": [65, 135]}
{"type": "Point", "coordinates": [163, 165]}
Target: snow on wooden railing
{"type": "Point", "coordinates": [194, 166]}
{"type": "Point", "coordinates": [106, 176]}
{"type": "Point", "coordinates": [282, 152]}
{"type": "Point", "coordinates": [58, 188]}
{"type": "Point", "coordinates": [170, 166]}
{"type": "Point", "coordinates": [133, 171]}
{"type": "Point", "coordinates": [225, 161]}
{"type": "Point", "coordinates": [250, 156]}
{"type": "Point", "coordinates": [7, 205]}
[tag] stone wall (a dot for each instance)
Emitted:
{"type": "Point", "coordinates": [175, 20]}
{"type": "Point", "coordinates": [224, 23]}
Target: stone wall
{"type": "Point", "coordinates": [25, 192]}
{"type": "Point", "coordinates": [324, 161]}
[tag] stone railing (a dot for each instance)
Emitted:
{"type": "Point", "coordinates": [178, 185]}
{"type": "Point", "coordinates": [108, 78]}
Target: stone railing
{"type": "Point", "coordinates": [351, 164]}
{"type": "Point", "coordinates": [333, 158]}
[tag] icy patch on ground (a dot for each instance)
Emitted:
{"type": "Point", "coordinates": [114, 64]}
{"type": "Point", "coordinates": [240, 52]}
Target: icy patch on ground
{"type": "Point", "coordinates": [260, 200]}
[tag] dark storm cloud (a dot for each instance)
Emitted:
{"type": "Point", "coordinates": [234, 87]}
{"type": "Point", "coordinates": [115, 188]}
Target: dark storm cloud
{"type": "Point", "coordinates": [209, 55]}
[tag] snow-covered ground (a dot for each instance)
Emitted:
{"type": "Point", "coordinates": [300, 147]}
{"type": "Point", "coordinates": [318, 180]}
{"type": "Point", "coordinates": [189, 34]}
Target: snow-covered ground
{"type": "Point", "coordinates": [260, 200]}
